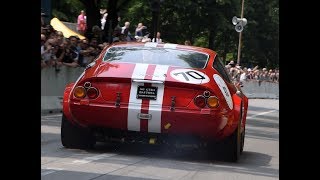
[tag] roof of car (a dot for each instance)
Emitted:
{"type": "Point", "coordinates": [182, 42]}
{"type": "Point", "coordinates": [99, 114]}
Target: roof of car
{"type": "Point", "coordinates": [165, 45]}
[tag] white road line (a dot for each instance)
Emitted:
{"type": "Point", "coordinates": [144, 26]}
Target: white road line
{"type": "Point", "coordinates": [50, 170]}
{"type": "Point", "coordinates": [47, 172]}
{"type": "Point", "coordinates": [250, 117]}
{"type": "Point", "coordinates": [56, 115]}
{"type": "Point", "coordinates": [90, 159]}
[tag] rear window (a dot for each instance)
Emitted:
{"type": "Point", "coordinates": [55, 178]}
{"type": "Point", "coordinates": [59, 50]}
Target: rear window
{"type": "Point", "coordinates": [218, 65]}
{"type": "Point", "coordinates": [161, 56]}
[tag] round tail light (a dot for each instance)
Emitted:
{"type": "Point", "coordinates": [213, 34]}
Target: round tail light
{"type": "Point", "coordinates": [79, 92]}
{"type": "Point", "coordinates": [87, 85]}
{"type": "Point", "coordinates": [92, 92]}
{"type": "Point", "coordinates": [213, 102]}
{"type": "Point", "coordinates": [206, 94]}
{"type": "Point", "coordinates": [200, 101]}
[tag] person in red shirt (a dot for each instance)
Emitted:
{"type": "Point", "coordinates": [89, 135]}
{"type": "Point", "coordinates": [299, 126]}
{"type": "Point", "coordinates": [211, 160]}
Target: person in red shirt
{"type": "Point", "coordinates": [81, 23]}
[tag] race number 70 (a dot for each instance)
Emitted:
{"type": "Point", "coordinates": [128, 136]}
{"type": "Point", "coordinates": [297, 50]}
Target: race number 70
{"type": "Point", "coordinates": [192, 74]}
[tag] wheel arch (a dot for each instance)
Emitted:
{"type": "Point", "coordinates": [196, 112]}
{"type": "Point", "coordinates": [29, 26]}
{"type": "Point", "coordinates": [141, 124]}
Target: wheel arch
{"type": "Point", "coordinates": [66, 98]}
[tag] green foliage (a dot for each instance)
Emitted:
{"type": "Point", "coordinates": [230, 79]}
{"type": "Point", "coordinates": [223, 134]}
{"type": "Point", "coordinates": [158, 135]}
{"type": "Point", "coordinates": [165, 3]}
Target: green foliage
{"type": "Point", "coordinates": [206, 23]}
{"type": "Point", "coordinates": [60, 15]}
{"type": "Point", "coordinates": [261, 36]}
{"type": "Point", "coordinates": [229, 56]}
{"type": "Point", "coordinates": [67, 10]}
{"type": "Point", "coordinates": [136, 12]}
{"type": "Point", "coordinates": [201, 41]}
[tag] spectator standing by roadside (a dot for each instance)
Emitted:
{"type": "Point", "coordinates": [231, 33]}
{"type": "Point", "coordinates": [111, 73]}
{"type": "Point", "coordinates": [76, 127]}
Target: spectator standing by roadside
{"type": "Point", "coordinates": [103, 19]}
{"type": "Point", "coordinates": [71, 53]}
{"type": "Point", "coordinates": [187, 43]}
{"type": "Point", "coordinates": [125, 31]}
{"type": "Point", "coordinates": [82, 23]}
{"type": "Point", "coordinates": [157, 39]}
{"type": "Point", "coordinates": [139, 33]}
{"type": "Point", "coordinates": [243, 75]}
{"type": "Point", "coordinates": [250, 74]}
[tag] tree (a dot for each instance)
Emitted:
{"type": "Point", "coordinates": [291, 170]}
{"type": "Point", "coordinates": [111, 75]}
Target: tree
{"type": "Point", "coordinates": [261, 36]}
{"type": "Point", "coordinates": [205, 23]}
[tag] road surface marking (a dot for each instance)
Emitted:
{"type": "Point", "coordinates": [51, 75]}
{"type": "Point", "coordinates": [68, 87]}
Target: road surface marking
{"type": "Point", "coordinates": [250, 117]}
{"type": "Point", "coordinates": [49, 116]}
{"type": "Point", "coordinates": [50, 170]}
{"type": "Point", "coordinates": [92, 158]}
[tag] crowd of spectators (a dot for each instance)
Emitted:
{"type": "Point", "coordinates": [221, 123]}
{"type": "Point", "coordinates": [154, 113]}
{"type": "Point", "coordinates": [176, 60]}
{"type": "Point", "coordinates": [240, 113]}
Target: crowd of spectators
{"type": "Point", "coordinates": [56, 50]}
{"type": "Point", "coordinates": [241, 74]}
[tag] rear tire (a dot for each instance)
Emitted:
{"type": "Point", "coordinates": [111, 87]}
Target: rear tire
{"type": "Point", "coordinates": [75, 137]}
{"type": "Point", "coordinates": [228, 149]}
{"type": "Point", "coordinates": [233, 146]}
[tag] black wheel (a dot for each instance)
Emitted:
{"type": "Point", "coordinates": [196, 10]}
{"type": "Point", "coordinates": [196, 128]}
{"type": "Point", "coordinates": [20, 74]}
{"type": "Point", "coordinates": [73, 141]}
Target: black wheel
{"type": "Point", "coordinates": [75, 137]}
{"type": "Point", "coordinates": [228, 149]}
{"type": "Point", "coordinates": [232, 146]}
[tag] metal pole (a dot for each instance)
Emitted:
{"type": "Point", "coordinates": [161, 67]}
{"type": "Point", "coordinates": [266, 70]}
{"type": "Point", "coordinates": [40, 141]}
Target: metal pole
{"type": "Point", "coordinates": [240, 35]}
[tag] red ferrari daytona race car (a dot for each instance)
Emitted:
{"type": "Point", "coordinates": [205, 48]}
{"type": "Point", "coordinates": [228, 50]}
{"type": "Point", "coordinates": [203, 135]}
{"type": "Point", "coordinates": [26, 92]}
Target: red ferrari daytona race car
{"type": "Point", "coordinates": [155, 93]}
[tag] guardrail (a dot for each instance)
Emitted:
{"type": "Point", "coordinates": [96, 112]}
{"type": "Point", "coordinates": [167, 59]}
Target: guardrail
{"type": "Point", "coordinates": [53, 84]}
{"type": "Point", "coordinates": [262, 89]}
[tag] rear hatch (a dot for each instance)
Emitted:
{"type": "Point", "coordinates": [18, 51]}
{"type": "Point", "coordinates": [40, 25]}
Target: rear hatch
{"type": "Point", "coordinates": [148, 83]}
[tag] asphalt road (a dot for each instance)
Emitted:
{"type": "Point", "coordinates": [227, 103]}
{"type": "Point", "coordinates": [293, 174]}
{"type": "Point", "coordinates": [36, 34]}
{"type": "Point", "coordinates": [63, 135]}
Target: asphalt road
{"type": "Point", "coordinates": [260, 159]}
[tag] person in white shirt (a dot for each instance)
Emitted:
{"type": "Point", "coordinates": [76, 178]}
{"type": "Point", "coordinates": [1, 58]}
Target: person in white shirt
{"type": "Point", "coordinates": [157, 39]}
{"type": "Point", "coordinates": [125, 27]}
{"type": "Point", "coordinates": [103, 19]}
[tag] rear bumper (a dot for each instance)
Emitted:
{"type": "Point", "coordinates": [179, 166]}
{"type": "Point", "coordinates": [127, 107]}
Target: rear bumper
{"type": "Point", "coordinates": [123, 136]}
{"type": "Point", "coordinates": [204, 124]}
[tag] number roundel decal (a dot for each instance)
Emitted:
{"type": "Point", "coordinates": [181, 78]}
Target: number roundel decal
{"type": "Point", "coordinates": [189, 76]}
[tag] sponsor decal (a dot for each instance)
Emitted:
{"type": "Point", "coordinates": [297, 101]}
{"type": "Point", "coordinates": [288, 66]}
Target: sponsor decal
{"type": "Point", "coordinates": [224, 89]}
{"type": "Point", "coordinates": [189, 76]}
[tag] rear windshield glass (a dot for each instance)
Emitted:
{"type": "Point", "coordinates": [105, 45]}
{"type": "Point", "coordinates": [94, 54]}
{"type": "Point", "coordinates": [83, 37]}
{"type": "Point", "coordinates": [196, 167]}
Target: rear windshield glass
{"type": "Point", "coordinates": [153, 55]}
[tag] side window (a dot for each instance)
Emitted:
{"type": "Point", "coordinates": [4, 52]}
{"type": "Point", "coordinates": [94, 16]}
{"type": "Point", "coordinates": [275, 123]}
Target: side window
{"type": "Point", "coordinates": [217, 65]}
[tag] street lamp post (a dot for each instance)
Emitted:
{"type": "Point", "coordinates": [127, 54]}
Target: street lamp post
{"type": "Point", "coordinates": [240, 35]}
{"type": "Point", "coordinates": [239, 24]}
{"type": "Point", "coordinates": [155, 8]}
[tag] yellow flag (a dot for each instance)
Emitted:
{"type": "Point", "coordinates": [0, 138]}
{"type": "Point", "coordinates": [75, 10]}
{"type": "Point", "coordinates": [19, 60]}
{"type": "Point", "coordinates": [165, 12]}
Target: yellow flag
{"type": "Point", "coordinates": [59, 26]}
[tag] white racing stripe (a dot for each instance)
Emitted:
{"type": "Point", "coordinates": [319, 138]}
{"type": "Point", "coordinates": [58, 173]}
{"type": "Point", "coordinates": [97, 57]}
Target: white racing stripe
{"type": "Point", "coordinates": [171, 46]}
{"type": "Point", "coordinates": [134, 106]}
{"type": "Point", "coordinates": [155, 106]}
